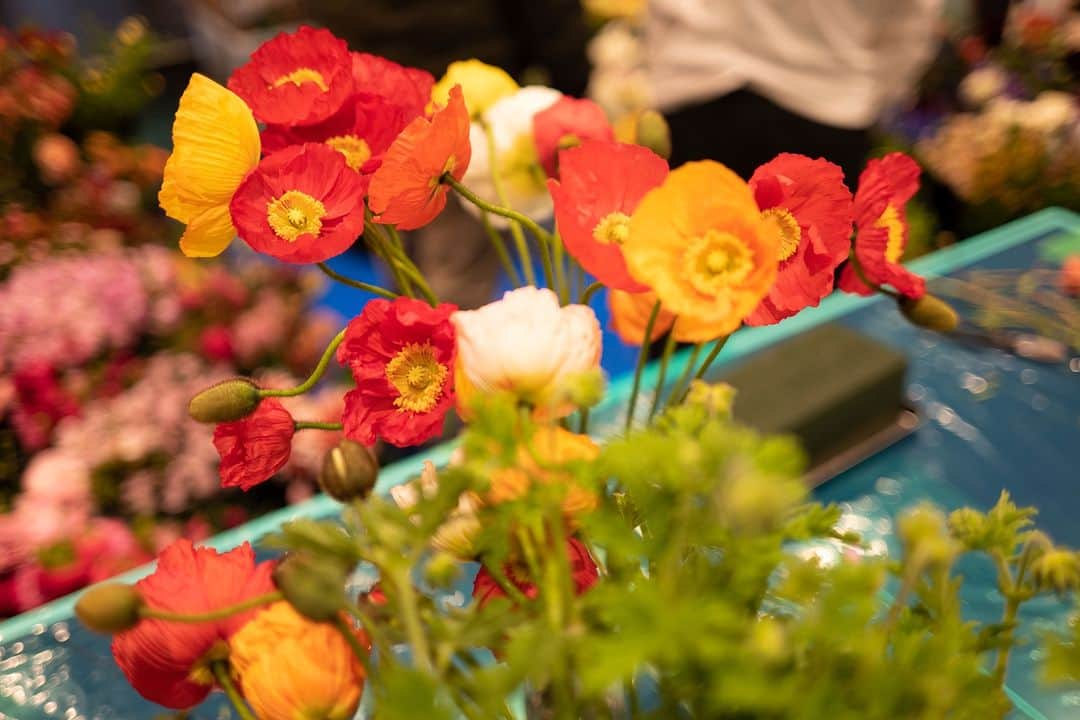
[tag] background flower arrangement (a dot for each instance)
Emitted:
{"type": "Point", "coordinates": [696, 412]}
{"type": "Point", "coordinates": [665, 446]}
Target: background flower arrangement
{"type": "Point", "coordinates": [648, 575]}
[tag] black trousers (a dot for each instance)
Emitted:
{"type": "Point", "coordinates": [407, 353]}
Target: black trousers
{"type": "Point", "coordinates": [744, 130]}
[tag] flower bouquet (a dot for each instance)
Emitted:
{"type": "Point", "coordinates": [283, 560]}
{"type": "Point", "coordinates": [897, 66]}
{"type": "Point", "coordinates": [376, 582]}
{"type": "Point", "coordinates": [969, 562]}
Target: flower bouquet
{"type": "Point", "coordinates": [651, 574]}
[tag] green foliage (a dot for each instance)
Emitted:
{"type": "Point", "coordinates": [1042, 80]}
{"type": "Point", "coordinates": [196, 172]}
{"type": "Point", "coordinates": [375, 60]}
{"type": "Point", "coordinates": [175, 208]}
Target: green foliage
{"type": "Point", "coordinates": [701, 599]}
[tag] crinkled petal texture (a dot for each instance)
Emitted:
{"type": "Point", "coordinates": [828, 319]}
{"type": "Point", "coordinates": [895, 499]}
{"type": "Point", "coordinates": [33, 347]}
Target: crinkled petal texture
{"type": "Point", "coordinates": [525, 344]}
{"type": "Point", "coordinates": [699, 241]}
{"type": "Point", "coordinates": [409, 88]}
{"type": "Point", "coordinates": [362, 131]}
{"type": "Point", "coordinates": [583, 571]}
{"type": "Point", "coordinates": [290, 667]}
{"type": "Point", "coordinates": [406, 190]}
{"type": "Point", "coordinates": [296, 78]}
{"type": "Point", "coordinates": [482, 84]}
{"type": "Point", "coordinates": [806, 202]}
{"type": "Point", "coordinates": [630, 314]}
{"type": "Point", "coordinates": [253, 448]}
{"type": "Point", "coordinates": [885, 187]}
{"type": "Point", "coordinates": [301, 205]}
{"type": "Point", "coordinates": [165, 661]}
{"type": "Point", "coordinates": [401, 354]}
{"type": "Point", "coordinates": [569, 118]}
{"type": "Point", "coordinates": [520, 175]}
{"type": "Point", "coordinates": [215, 145]}
{"type": "Point", "coordinates": [600, 185]}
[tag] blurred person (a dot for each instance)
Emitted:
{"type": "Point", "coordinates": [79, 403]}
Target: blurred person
{"type": "Point", "coordinates": [743, 80]}
{"type": "Point", "coordinates": [536, 41]}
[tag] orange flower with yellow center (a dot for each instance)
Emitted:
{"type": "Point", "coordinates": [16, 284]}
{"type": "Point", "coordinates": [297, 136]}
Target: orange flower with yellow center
{"type": "Point", "coordinates": [290, 667]}
{"type": "Point", "coordinates": [543, 459]}
{"type": "Point", "coordinates": [701, 243]}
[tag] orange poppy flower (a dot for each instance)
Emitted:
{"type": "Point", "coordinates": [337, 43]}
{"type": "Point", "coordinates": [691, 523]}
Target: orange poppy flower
{"type": "Point", "coordinates": [407, 190]}
{"type": "Point", "coordinates": [630, 315]}
{"type": "Point", "coordinates": [699, 241]}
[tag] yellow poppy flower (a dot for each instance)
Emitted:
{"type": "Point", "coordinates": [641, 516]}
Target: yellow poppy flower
{"type": "Point", "coordinates": [699, 241]}
{"type": "Point", "coordinates": [481, 83]}
{"type": "Point", "coordinates": [215, 145]}
{"type": "Point", "coordinates": [291, 667]}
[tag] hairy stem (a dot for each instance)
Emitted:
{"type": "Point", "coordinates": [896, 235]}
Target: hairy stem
{"type": "Point", "coordinates": [315, 376]}
{"type": "Point", "coordinates": [212, 615]}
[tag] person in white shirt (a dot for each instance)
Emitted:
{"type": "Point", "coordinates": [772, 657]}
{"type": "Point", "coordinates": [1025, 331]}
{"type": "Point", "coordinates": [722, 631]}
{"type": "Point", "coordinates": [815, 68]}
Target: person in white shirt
{"type": "Point", "coordinates": [742, 80]}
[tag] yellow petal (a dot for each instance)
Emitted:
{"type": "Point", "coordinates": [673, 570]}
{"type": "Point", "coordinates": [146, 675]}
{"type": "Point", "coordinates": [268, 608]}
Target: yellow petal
{"type": "Point", "coordinates": [482, 85]}
{"type": "Point", "coordinates": [208, 233]}
{"type": "Point", "coordinates": [215, 144]}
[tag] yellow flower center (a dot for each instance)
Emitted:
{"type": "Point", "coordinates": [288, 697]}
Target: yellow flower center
{"type": "Point", "coordinates": [417, 376]}
{"type": "Point", "coordinates": [786, 227]}
{"type": "Point", "coordinates": [355, 149]}
{"type": "Point", "coordinates": [890, 220]}
{"type": "Point", "coordinates": [294, 214]}
{"type": "Point", "coordinates": [717, 260]}
{"type": "Point", "coordinates": [303, 75]}
{"type": "Point", "coordinates": [614, 228]}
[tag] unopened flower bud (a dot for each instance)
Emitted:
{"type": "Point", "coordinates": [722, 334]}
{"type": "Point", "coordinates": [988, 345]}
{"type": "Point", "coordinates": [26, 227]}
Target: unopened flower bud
{"type": "Point", "coordinates": [924, 533]}
{"type": "Point", "coordinates": [1057, 570]}
{"type": "Point", "coordinates": [653, 133]}
{"type": "Point", "coordinates": [314, 585]}
{"type": "Point", "coordinates": [349, 471]}
{"type": "Point", "coordinates": [930, 312]}
{"type": "Point", "coordinates": [226, 401]}
{"type": "Point", "coordinates": [442, 570]}
{"type": "Point", "coordinates": [585, 389]}
{"type": "Point", "coordinates": [109, 607]}
{"type": "Point", "coordinates": [716, 399]}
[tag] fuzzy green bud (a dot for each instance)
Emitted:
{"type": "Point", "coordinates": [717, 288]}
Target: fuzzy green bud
{"type": "Point", "coordinates": [226, 401]}
{"type": "Point", "coordinates": [109, 607]}
{"type": "Point", "coordinates": [313, 585]}
{"type": "Point", "coordinates": [653, 132]}
{"type": "Point", "coordinates": [1057, 570]}
{"type": "Point", "coordinates": [349, 471]}
{"type": "Point", "coordinates": [930, 312]}
{"type": "Point", "coordinates": [924, 532]}
{"type": "Point", "coordinates": [717, 399]}
{"type": "Point", "coordinates": [585, 389]}
{"type": "Point", "coordinates": [442, 570]}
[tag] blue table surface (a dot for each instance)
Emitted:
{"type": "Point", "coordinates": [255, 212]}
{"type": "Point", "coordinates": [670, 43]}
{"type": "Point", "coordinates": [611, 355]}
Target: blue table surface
{"type": "Point", "coordinates": [991, 421]}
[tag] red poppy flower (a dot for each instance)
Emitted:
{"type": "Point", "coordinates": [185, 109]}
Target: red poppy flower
{"type": "Point", "coordinates": [301, 205]}
{"type": "Point", "coordinates": [361, 131]}
{"type": "Point", "coordinates": [885, 187]}
{"type": "Point", "coordinates": [583, 570]}
{"type": "Point", "coordinates": [409, 88]}
{"type": "Point", "coordinates": [406, 191]}
{"type": "Point", "coordinates": [296, 78]}
{"type": "Point", "coordinates": [167, 662]}
{"type": "Point", "coordinates": [569, 119]}
{"type": "Point", "coordinates": [253, 448]}
{"type": "Point", "coordinates": [401, 355]}
{"type": "Point", "coordinates": [808, 205]}
{"type": "Point", "coordinates": [600, 185]}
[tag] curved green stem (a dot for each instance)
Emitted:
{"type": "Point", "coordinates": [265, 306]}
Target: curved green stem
{"type": "Point", "coordinates": [643, 358]}
{"type": "Point", "coordinates": [682, 385]}
{"type": "Point", "coordinates": [221, 673]}
{"type": "Point", "coordinates": [315, 376]}
{"type": "Point", "coordinates": [507, 213]}
{"type": "Point", "coordinates": [410, 616]}
{"type": "Point", "coordinates": [381, 247]}
{"type": "Point", "coordinates": [314, 425]}
{"type": "Point", "coordinates": [397, 256]}
{"type": "Point", "coordinates": [213, 615]}
{"type": "Point", "coordinates": [589, 292]}
{"type": "Point", "coordinates": [359, 285]}
{"type": "Point", "coordinates": [558, 259]}
{"type": "Point", "coordinates": [499, 244]}
{"type": "Point", "coordinates": [713, 354]}
{"type": "Point", "coordinates": [669, 349]}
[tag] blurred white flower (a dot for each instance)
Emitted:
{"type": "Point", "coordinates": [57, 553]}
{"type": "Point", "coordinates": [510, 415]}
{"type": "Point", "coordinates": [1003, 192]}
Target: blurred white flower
{"type": "Point", "coordinates": [1049, 113]}
{"type": "Point", "coordinates": [982, 85]}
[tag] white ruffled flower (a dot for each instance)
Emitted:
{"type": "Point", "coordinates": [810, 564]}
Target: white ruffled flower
{"type": "Point", "coordinates": [982, 85]}
{"type": "Point", "coordinates": [526, 344]}
{"type": "Point", "coordinates": [520, 173]}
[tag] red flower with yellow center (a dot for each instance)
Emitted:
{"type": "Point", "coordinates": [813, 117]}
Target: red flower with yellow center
{"type": "Point", "coordinates": [301, 205]}
{"type": "Point", "coordinates": [296, 78]}
{"type": "Point", "coordinates": [361, 131]}
{"type": "Point", "coordinates": [253, 448]}
{"type": "Point", "coordinates": [600, 185]}
{"type": "Point", "coordinates": [806, 204]}
{"type": "Point", "coordinates": [401, 354]}
{"type": "Point", "coordinates": [407, 190]}
{"type": "Point", "coordinates": [409, 88]}
{"type": "Point", "coordinates": [885, 187]}
{"type": "Point", "coordinates": [583, 572]}
{"type": "Point", "coordinates": [169, 662]}
{"type": "Point", "coordinates": [569, 121]}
